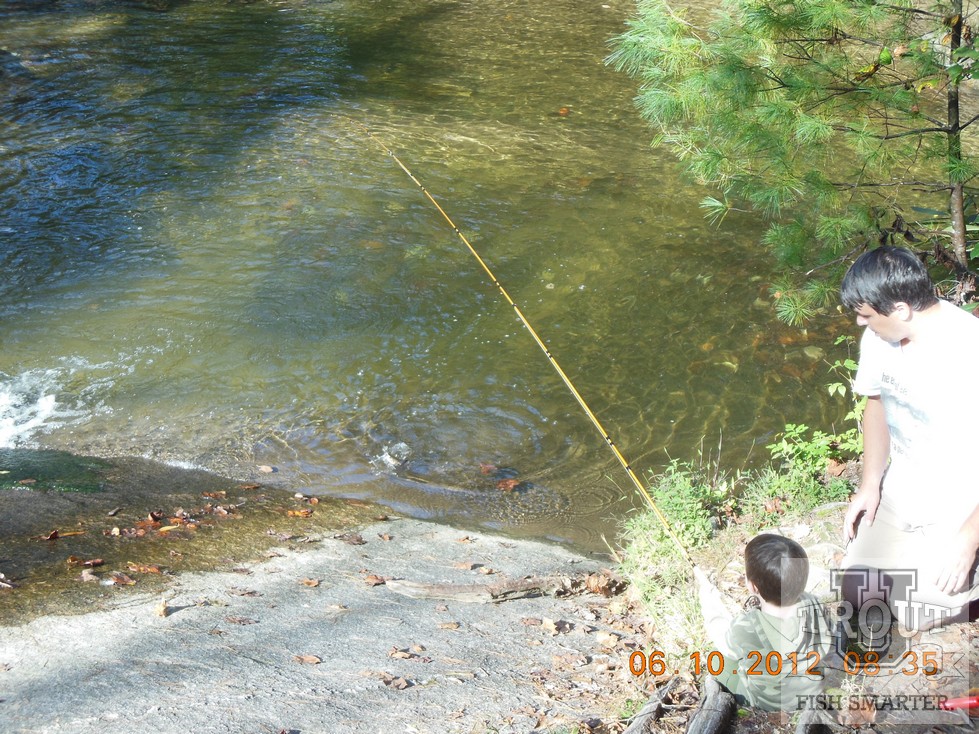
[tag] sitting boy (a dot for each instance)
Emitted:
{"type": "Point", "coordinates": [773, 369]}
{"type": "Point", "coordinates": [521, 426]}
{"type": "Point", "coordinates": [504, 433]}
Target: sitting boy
{"type": "Point", "coordinates": [773, 653]}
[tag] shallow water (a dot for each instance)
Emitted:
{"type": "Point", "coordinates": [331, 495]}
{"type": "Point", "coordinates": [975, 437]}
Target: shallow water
{"type": "Point", "coordinates": [208, 261]}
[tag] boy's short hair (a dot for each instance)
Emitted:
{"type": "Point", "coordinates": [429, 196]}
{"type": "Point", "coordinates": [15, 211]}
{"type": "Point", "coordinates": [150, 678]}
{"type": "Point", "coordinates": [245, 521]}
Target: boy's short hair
{"type": "Point", "coordinates": [883, 277]}
{"type": "Point", "coordinates": [778, 567]}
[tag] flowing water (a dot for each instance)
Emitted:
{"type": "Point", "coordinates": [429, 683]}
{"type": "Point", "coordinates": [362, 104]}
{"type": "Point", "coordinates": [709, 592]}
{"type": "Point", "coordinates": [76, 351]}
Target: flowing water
{"type": "Point", "coordinates": [206, 260]}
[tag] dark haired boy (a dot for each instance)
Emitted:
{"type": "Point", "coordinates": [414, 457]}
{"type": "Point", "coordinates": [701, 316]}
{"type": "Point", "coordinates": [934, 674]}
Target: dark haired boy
{"type": "Point", "coordinates": [914, 519]}
{"type": "Point", "coordinates": [774, 653]}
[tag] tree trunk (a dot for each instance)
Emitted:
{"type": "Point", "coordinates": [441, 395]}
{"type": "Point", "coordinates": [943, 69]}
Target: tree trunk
{"type": "Point", "coordinates": [956, 206]}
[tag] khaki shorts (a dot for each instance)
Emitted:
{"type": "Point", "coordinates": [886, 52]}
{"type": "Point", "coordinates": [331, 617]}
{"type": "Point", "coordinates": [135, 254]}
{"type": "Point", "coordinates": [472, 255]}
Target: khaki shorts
{"type": "Point", "coordinates": [908, 560]}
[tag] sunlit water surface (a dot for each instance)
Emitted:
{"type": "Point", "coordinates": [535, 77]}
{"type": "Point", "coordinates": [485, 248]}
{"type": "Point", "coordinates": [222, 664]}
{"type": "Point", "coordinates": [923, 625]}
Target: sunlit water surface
{"type": "Point", "coordinates": [207, 260]}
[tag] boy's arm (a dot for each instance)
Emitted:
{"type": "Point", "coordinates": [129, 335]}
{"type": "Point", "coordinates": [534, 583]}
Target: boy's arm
{"type": "Point", "coordinates": [876, 452]}
{"type": "Point", "coordinates": [717, 617]}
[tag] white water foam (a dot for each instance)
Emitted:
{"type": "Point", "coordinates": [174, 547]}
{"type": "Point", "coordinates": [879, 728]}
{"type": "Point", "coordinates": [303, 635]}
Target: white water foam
{"type": "Point", "coordinates": [29, 406]}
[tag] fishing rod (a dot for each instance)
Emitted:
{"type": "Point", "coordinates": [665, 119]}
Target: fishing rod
{"type": "Point", "coordinates": [540, 343]}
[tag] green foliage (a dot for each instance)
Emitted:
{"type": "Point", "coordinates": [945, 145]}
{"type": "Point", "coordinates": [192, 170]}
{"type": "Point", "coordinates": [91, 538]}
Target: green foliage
{"type": "Point", "coordinates": [690, 498]}
{"type": "Point", "coordinates": [823, 115]}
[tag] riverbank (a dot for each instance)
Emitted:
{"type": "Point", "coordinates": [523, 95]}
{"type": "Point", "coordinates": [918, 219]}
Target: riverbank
{"type": "Point", "coordinates": [318, 636]}
{"type": "Point", "coordinates": [139, 594]}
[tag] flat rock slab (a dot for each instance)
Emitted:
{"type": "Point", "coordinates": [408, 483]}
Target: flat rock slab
{"type": "Point", "coordinates": [237, 651]}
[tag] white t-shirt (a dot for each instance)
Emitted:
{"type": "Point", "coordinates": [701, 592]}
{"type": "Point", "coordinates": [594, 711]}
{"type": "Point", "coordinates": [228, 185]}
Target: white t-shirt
{"type": "Point", "coordinates": [930, 395]}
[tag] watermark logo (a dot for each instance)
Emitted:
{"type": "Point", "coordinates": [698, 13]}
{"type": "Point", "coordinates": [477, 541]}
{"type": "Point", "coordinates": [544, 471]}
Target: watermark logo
{"type": "Point", "coordinates": [875, 604]}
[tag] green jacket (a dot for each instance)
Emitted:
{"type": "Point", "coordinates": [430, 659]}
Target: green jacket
{"type": "Point", "coordinates": [801, 644]}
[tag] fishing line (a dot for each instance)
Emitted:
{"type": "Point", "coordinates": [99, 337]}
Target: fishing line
{"type": "Point", "coordinates": [540, 343]}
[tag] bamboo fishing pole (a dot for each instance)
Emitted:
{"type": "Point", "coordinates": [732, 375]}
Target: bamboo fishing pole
{"type": "Point", "coordinates": [540, 343]}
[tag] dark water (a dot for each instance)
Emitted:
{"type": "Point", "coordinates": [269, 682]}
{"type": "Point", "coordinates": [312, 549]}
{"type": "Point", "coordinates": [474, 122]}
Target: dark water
{"type": "Point", "coordinates": [207, 261]}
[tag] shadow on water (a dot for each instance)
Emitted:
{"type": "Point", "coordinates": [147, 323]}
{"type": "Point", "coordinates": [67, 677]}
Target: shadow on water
{"type": "Point", "coordinates": [82, 184]}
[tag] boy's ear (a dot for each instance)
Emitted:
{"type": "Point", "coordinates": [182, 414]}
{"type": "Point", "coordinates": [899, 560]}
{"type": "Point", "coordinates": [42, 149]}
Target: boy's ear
{"type": "Point", "coordinates": [902, 310]}
{"type": "Point", "coordinates": [751, 586]}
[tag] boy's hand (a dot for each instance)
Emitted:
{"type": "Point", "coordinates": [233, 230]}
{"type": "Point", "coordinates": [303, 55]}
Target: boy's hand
{"type": "Point", "coordinates": [862, 510]}
{"type": "Point", "coordinates": [953, 576]}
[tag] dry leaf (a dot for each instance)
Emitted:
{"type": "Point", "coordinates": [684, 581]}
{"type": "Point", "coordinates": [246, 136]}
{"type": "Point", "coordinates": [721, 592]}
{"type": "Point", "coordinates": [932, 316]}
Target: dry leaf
{"type": "Point", "coordinates": [531, 622]}
{"type": "Point", "coordinates": [304, 512]}
{"type": "Point", "coordinates": [162, 610]}
{"type": "Point", "coordinates": [485, 468]}
{"type": "Point", "coordinates": [120, 579]}
{"type": "Point", "coordinates": [507, 485]}
{"type": "Point", "coordinates": [485, 570]}
{"type": "Point", "coordinates": [143, 568]}
{"type": "Point", "coordinates": [556, 626]}
{"type": "Point", "coordinates": [465, 565]}
{"type": "Point", "coordinates": [238, 591]}
{"type": "Point", "coordinates": [307, 659]}
{"type": "Point", "coordinates": [223, 494]}
{"type": "Point", "coordinates": [449, 626]}
{"type": "Point", "coordinates": [607, 639]}
{"type": "Point", "coordinates": [374, 580]}
{"type": "Point", "coordinates": [249, 486]}
{"type": "Point", "coordinates": [241, 620]}
{"type": "Point", "coordinates": [465, 539]}
{"type": "Point", "coordinates": [351, 538]}
{"type": "Point", "coordinates": [266, 469]}
{"type": "Point", "coordinates": [384, 536]}
{"type": "Point", "coordinates": [312, 583]}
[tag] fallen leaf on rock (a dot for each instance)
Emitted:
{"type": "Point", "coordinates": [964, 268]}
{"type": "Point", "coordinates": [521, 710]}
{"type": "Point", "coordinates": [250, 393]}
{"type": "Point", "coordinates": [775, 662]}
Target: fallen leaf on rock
{"type": "Point", "coordinates": [556, 626]}
{"type": "Point", "coordinates": [449, 625]}
{"type": "Point", "coordinates": [607, 639]}
{"type": "Point", "coordinates": [507, 485]}
{"type": "Point", "coordinates": [307, 659]}
{"type": "Point", "coordinates": [485, 570]}
{"type": "Point", "coordinates": [531, 622]}
{"type": "Point", "coordinates": [351, 538]}
{"type": "Point", "coordinates": [384, 536]}
{"type": "Point", "coordinates": [250, 485]}
{"type": "Point", "coordinates": [143, 567]}
{"type": "Point", "coordinates": [397, 683]}
{"type": "Point", "coordinates": [311, 583]}
{"type": "Point", "coordinates": [266, 469]}
{"type": "Point", "coordinates": [486, 468]}
{"type": "Point", "coordinates": [240, 620]}
{"type": "Point", "coordinates": [221, 495]}
{"type": "Point", "coordinates": [466, 565]}
{"type": "Point", "coordinates": [374, 580]}
{"type": "Point", "coordinates": [162, 610]}
{"type": "Point", "coordinates": [464, 539]}
{"type": "Point", "coordinates": [238, 591]}
{"type": "Point", "coordinates": [168, 528]}
{"type": "Point", "coordinates": [304, 512]}
{"type": "Point", "coordinates": [120, 579]}
{"type": "Point", "coordinates": [91, 563]}
{"type": "Point", "coordinates": [441, 608]}
{"type": "Point", "coordinates": [603, 584]}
